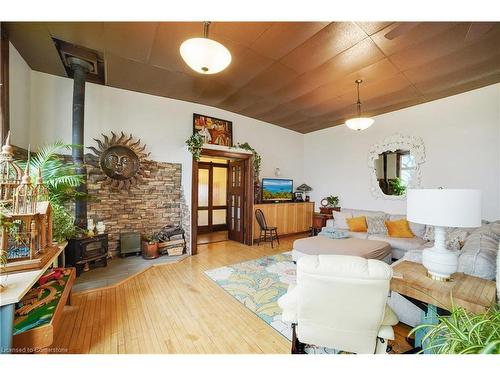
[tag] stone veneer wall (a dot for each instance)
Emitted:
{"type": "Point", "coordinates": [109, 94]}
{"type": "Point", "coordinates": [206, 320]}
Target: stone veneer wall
{"type": "Point", "coordinates": [150, 205]}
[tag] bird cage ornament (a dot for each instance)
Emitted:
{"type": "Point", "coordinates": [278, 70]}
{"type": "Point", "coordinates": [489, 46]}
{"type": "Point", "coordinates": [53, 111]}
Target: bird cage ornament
{"type": "Point", "coordinates": [25, 199]}
{"type": "Point", "coordinates": [10, 173]}
{"type": "Point", "coordinates": [41, 192]}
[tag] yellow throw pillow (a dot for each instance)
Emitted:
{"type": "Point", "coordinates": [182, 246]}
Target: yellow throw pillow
{"type": "Point", "coordinates": [357, 224]}
{"type": "Point", "coordinates": [399, 228]}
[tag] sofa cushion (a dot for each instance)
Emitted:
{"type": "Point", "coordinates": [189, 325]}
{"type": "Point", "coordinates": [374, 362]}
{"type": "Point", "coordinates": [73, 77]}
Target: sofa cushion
{"type": "Point", "coordinates": [479, 253]}
{"type": "Point", "coordinates": [417, 229]}
{"type": "Point", "coordinates": [361, 235]}
{"type": "Point", "coordinates": [399, 228]}
{"type": "Point", "coordinates": [357, 224]}
{"type": "Point", "coordinates": [404, 244]}
{"type": "Point", "coordinates": [339, 219]}
{"type": "Point", "coordinates": [376, 224]}
{"type": "Point", "coordinates": [356, 212]}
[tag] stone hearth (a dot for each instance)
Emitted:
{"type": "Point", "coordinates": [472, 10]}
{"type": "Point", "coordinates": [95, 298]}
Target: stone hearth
{"type": "Point", "coordinates": [152, 204]}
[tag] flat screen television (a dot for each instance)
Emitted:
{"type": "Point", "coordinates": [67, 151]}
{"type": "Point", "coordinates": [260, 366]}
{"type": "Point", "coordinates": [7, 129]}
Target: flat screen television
{"type": "Point", "coordinates": [277, 189]}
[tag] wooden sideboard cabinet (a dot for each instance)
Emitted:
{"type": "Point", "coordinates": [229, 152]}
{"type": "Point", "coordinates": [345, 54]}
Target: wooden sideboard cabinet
{"type": "Point", "coordinates": [293, 217]}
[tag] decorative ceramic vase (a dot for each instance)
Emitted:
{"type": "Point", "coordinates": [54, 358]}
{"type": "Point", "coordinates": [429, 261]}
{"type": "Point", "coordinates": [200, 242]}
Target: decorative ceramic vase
{"type": "Point", "coordinates": [100, 227]}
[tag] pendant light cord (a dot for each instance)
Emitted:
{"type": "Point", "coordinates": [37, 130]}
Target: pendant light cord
{"type": "Point", "coordinates": [206, 25]}
{"type": "Point", "coordinates": [358, 104]}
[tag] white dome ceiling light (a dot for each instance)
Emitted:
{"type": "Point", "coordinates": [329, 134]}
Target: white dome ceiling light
{"type": "Point", "coordinates": [204, 55]}
{"type": "Point", "coordinates": [359, 123]}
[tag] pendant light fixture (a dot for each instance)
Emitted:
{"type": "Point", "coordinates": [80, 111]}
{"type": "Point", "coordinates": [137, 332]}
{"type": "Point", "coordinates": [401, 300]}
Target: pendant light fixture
{"type": "Point", "coordinates": [204, 55]}
{"type": "Point", "coordinates": [359, 123]}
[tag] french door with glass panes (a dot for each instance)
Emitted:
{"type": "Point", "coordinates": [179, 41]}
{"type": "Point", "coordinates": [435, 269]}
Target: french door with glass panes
{"type": "Point", "coordinates": [212, 197]}
{"type": "Point", "coordinates": [235, 200]}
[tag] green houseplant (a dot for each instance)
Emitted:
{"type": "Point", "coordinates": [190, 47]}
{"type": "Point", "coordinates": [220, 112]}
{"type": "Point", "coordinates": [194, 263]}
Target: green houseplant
{"type": "Point", "coordinates": [463, 332]}
{"type": "Point", "coordinates": [61, 180]}
{"type": "Point", "coordinates": [332, 201]}
{"type": "Point", "coordinates": [397, 186]}
{"type": "Point", "coordinates": [257, 159]}
{"type": "Point", "coordinates": [195, 143]}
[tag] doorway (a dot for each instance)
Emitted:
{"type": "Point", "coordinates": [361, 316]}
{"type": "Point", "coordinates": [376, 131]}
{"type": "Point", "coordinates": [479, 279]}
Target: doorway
{"type": "Point", "coordinates": [222, 198]}
{"type": "Point", "coordinates": [212, 200]}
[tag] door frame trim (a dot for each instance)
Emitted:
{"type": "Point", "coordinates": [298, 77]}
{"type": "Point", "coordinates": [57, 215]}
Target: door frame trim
{"type": "Point", "coordinates": [248, 194]}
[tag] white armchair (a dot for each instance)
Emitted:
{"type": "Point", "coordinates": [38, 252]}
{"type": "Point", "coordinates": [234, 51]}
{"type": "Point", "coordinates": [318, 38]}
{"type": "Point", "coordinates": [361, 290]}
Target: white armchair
{"type": "Point", "coordinates": [340, 302]}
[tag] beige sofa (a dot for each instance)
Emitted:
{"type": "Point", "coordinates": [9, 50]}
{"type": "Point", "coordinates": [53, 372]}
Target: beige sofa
{"type": "Point", "coordinates": [399, 245]}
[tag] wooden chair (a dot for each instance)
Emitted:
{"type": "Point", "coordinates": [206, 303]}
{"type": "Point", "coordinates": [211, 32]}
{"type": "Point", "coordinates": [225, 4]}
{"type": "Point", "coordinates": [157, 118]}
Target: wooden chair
{"type": "Point", "coordinates": [265, 230]}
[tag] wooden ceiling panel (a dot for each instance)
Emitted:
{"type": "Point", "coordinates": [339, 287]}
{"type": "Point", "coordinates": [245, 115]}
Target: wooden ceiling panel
{"type": "Point", "coordinates": [238, 101]}
{"type": "Point", "coordinates": [244, 33]}
{"type": "Point", "coordinates": [423, 31]}
{"type": "Point", "coordinates": [270, 80]}
{"type": "Point", "coordinates": [324, 45]}
{"type": "Point", "coordinates": [426, 51]}
{"type": "Point", "coordinates": [283, 37]}
{"type": "Point", "coordinates": [371, 28]}
{"type": "Point", "coordinates": [86, 34]}
{"type": "Point", "coordinates": [34, 43]}
{"type": "Point", "coordinates": [169, 37]}
{"type": "Point", "coordinates": [130, 40]}
{"type": "Point", "coordinates": [458, 60]}
{"type": "Point", "coordinates": [298, 75]}
{"type": "Point", "coordinates": [246, 64]}
{"type": "Point", "coordinates": [466, 75]}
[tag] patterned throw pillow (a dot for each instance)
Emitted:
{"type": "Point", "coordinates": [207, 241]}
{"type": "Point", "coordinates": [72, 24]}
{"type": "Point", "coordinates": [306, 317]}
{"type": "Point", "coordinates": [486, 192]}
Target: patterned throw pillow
{"type": "Point", "coordinates": [376, 224]}
{"type": "Point", "coordinates": [455, 238]}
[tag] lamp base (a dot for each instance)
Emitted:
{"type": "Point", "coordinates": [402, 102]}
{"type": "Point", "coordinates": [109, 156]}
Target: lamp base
{"type": "Point", "coordinates": [440, 262]}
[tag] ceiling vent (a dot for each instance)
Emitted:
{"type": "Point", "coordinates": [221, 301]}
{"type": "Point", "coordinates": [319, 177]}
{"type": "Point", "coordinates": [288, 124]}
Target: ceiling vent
{"type": "Point", "coordinates": [68, 52]}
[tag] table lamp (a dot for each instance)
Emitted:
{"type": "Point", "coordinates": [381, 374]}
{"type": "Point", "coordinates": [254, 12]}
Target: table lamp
{"type": "Point", "coordinates": [443, 208]}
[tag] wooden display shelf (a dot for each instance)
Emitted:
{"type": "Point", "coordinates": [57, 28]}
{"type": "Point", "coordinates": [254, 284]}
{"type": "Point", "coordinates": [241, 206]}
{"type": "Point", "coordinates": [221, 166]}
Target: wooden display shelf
{"type": "Point", "coordinates": [31, 264]}
{"type": "Point", "coordinates": [43, 336]}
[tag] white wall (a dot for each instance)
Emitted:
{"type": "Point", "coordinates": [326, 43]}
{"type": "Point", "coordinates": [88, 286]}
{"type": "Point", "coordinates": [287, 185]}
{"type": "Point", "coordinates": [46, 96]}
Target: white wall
{"type": "Point", "coordinates": [19, 92]}
{"type": "Point", "coordinates": [163, 124]}
{"type": "Point", "coordinates": [461, 134]}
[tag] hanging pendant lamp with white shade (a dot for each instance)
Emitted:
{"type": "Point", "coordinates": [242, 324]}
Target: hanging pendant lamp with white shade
{"type": "Point", "coordinates": [204, 55]}
{"type": "Point", "coordinates": [359, 123]}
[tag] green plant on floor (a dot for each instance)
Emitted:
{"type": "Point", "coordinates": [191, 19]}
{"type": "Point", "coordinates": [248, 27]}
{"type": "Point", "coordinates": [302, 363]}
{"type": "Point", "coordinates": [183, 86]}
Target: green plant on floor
{"type": "Point", "coordinates": [195, 143]}
{"type": "Point", "coordinates": [257, 159]}
{"type": "Point", "coordinates": [332, 201]}
{"type": "Point", "coordinates": [61, 179]}
{"type": "Point", "coordinates": [151, 238]}
{"type": "Point", "coordinates": [397, 186]}
{"type": "Point", "coordinates": [463, 332]}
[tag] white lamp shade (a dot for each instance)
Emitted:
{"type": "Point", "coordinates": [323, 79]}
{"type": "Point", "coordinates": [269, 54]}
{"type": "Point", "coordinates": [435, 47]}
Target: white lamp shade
{"type": "Point", "coordinates": [444, 207]}
{"type": "Point", "coordinates": [205, 55]}
{"type": "Point", "coordinates": [359, 123]}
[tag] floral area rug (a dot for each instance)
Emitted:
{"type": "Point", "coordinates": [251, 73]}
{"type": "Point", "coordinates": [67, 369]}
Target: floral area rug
{"type": "Point", "coordinates": [258, 284]}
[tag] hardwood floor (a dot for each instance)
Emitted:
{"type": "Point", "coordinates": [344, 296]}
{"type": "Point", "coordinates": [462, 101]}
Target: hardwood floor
{"type": "Point", "coordinates": [172, 308]}
{"type": "Point", "coordinates": [206, 238]}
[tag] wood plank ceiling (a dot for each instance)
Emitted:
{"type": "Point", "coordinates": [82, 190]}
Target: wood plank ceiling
{"type": "Point", "coordinates": [298, 75]}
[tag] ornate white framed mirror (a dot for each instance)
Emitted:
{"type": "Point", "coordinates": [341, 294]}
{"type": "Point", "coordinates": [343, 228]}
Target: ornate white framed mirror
{"type": "Point", "coordinates": [395, 166]}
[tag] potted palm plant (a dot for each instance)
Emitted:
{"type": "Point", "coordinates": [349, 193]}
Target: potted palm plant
{"type": "Point", "coordinates": [150, 246]}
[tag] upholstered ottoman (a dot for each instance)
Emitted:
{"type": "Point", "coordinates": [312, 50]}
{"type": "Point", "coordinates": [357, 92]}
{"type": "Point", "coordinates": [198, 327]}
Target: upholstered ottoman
{"type": "Point", "coordinates": [319, 245]}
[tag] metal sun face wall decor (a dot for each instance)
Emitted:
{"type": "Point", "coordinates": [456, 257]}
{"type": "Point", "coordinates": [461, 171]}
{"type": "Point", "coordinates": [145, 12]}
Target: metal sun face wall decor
{"type": "Point", "coordinates": [120, 159]}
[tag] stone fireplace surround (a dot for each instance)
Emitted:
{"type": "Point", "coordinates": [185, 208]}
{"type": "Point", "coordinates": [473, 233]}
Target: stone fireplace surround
{"type": "Point", "coordinates": [156, 201]}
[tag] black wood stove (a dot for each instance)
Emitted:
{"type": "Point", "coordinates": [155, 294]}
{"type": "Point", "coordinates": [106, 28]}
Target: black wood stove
{"type": "Point", "coordinates": [82, 252]}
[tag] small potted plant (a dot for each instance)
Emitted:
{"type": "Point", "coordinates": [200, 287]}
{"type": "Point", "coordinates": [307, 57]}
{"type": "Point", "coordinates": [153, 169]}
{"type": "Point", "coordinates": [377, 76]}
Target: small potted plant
{"type": "Point", "coordinates": [329, 204]}
{"type": "Point", "coordinates": [150, 246]}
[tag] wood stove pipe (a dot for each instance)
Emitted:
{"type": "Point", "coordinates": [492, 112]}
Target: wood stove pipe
{"type": "Point", "coordinates": [80, 69]}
